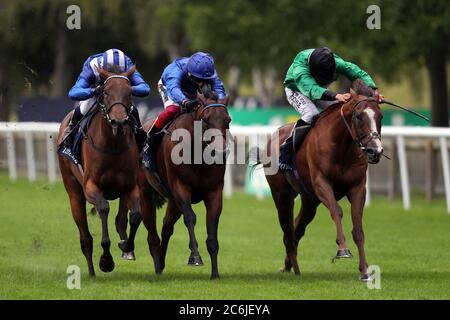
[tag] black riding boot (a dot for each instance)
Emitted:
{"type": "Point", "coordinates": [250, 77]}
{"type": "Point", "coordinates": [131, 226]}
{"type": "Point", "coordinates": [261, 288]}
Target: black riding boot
{"type": "Point", "coordinates": [140, 135]}
{"type": "Point", "coordinates": [149, 139]}
{"type": "Point", "coordinates": [76, 118]}
{"type": "Point", "coordinates": [287, 148]}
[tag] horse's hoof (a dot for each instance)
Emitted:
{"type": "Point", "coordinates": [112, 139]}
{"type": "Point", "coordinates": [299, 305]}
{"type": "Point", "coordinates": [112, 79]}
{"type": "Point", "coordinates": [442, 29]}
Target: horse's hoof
{"type": "Point", "coordinates": [215, 277]}
{"type": "Point", "coordinates": [342, 254]}
{"type": "Point", "coordinates": [128, 256]}
{"type": "Point", "coordinates": [195, 261]}
{"type": "Point", "coordinates": [106, 264]}
{"type": "Point", "coordinates": [365, 277]}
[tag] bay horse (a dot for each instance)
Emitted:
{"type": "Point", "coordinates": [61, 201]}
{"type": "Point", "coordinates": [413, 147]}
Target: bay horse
{"type": "Point", "coordinates": [109, 170]}
{"type": "Point", "coordinates": [189, 182]}
{"type": "Point", "coordinates": [332, 163]}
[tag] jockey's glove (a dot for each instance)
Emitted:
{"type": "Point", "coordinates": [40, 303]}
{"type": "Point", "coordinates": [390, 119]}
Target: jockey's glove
{"type": "Point", "coordinates": [97, 91]}
{"type": "Point", "coordinates": [188, 105]}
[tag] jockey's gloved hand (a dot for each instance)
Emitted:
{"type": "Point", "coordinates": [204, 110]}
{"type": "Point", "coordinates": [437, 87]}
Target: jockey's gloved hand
{"type": "Point", "coordinates": [188, 105]}
{"type": "Point", "coordinates": [97, 91]}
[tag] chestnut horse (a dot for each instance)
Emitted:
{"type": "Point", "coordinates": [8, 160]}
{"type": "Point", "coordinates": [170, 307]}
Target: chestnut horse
{"type": "Point", "coordinates": [332, 164]}
{"type": "Point", "coordinates": [110, 163]}
{"type": "Point", "coordinates": [189, 181]}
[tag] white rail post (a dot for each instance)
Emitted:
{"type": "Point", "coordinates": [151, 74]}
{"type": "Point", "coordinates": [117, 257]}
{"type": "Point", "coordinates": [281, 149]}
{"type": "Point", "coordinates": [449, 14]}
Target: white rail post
{"type": "Point", "coordinates": [368, 199]}
{"type": "Point", "coordinates": [445, 170]}
{"type": "Point", "coordinates": [11, 151]}
{"type": "Point", "coordinates": [228, 179]}
{"type": "Point", "coordinates": [51, 162]}
{"type": "Point", "coordinates": [403, 172]}
{"type": "Point", "coordinates": [29, 150]}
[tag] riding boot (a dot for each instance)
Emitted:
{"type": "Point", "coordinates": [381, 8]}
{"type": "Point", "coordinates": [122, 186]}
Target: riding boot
{"type": "Point", "coordinates": [287, 148]}
{"type": "Point", "coordinates": [76, 117]}
{"type": "Point", "coordinates": [300, 131]}
{"type": "Point", "coordinates": [148, 145]}
{"type": "Point", "coordinates": [140, 134]}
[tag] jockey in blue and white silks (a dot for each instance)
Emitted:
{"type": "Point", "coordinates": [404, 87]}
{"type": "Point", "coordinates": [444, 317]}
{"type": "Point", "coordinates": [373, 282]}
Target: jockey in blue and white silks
{"type": "Point", "coordinates": [89, 79]}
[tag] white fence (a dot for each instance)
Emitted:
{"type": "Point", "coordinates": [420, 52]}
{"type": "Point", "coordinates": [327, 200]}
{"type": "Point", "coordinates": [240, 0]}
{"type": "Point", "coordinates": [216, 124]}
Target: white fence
{"type": "Point", "coordinates": [28, 130]}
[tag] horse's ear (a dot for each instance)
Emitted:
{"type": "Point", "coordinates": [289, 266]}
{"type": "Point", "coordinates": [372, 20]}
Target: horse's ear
{"type": "Point", "coordinates": [353, 93]}
{"type": "Point", "coordinates": [225, 100]}
{"type": "Point", "coordinates": [130, 72]}
{"type": "Point", "coordinates": [103, 73]}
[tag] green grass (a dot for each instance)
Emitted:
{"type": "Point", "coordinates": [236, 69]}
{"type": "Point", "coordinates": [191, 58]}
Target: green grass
{"type": "Point", "coordinates": [39, 240]}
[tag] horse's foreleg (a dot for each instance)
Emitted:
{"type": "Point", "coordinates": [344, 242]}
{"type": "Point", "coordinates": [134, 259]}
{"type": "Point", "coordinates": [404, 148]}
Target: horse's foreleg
{"type": "Point", "coordinates": [78, 206]}
{"type": "Point", "coordinates": [173, 213]}
{"type": "Point", "coordinates": [94, 195]}
{"type": "Point", "coordinates": [324, 192]}
{"type": "Point", "coordinates": [149, 219]}
{"type": "Point", "coordinates": [132, 199]}
{"type": "Point", "coordinates": [182, 198]}
{"type": "Point", "coordinates": [213, 205]}
{"type": "Point", "coordinates": [121, 228]}
{"type": "Point", "coordinates": [357, 197]}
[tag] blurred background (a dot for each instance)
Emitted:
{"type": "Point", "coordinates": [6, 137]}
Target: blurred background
{"type": "Point", "coordinates": [253, 42]}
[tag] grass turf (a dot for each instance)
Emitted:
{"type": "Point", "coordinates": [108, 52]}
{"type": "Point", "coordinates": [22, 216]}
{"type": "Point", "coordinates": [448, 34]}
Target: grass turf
{"type": "Point", "coordinates": [39, 240]}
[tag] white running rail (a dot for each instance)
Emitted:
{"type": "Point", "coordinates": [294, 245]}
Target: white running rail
{"type": "Point", "coordinates": [29, 129]}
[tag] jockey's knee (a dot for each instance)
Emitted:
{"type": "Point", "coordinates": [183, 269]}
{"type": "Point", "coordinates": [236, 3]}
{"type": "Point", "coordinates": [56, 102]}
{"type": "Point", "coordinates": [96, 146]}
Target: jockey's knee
{"type": "Point", "coordinates": [309, 115]}
{"type": "Point", "coordinates": [167, 115]}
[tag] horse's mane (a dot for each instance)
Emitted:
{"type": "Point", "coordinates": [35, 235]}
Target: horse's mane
{"type": "Point", "coordinates": [361, 88]}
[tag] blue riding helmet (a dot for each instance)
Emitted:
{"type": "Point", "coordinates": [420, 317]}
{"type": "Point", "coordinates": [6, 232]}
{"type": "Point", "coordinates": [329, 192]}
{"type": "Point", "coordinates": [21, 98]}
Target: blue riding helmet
{"type": "Point", "coordinates": [201, 66]}
{"type": "Point", "coordinates": [114, 57]}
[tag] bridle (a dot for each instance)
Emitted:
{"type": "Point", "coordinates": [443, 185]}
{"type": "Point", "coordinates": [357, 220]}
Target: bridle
{"type": "Point", "coordinates": [359, 140]}
{"type": "Point", "coordinates": [203, 109]}
{"type": "Point", "coordinates": [107, 110]}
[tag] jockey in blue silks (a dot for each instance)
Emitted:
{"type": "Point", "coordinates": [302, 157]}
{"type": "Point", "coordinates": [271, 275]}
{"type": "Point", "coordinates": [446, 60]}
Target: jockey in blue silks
{"type": "Point", "coordinates": [180, 82]}
{"type": "Point", "coordinates": [85, 89]}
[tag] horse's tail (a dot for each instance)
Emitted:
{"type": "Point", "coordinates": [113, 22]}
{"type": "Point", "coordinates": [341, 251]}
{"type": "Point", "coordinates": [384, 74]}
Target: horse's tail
{"type": "Point", "coordinates": [156, 198]}
{"type": "Point", "coordinates": [254, 159]}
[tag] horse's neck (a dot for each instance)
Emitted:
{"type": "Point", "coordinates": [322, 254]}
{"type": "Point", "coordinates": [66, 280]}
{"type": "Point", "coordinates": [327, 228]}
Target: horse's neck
{"type": "Point", "coordinates": [333, 129]}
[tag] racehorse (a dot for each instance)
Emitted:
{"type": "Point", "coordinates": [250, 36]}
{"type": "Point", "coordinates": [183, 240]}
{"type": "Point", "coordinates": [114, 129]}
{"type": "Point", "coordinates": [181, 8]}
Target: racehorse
{"type": "Point", "coordinates": [331, 164]}
{"type": "Point", "coordinates": [189, 182]}
{"type": "Point", "coordinates": [109, 169]}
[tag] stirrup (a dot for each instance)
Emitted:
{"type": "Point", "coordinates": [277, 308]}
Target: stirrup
{"type": "Point", "coordinates": [285, 167]}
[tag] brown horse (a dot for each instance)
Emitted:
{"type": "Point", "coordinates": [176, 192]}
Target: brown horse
{"type": "Point", "coordinates": [190, 182]}
{"type": "Point", "coordinates": [331, 164]}
{"type": "Point", "coordinates": [109, 170]}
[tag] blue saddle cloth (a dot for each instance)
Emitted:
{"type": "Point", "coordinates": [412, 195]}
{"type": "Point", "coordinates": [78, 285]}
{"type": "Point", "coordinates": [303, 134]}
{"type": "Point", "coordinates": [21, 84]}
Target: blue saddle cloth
{"type": "Point", "coordinates": [72, 150]}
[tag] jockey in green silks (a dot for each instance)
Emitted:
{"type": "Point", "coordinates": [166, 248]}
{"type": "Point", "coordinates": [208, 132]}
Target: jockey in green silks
{"type": "Point", "coordinates": [307, 81]}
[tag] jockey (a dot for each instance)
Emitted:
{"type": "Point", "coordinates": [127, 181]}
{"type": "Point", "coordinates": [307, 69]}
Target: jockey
{"type": "Point", "coordinates": [85, 89]}
{"type": "Point", "coordinates": [179, 84]}
{"type": "Point", "coordinates": [307, 80]}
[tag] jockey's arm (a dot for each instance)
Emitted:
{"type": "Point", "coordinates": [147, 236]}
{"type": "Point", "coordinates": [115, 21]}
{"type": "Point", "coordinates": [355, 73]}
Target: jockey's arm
{"type": "Point", "coordinates": [81, 90]}
{"type": "Point", "coordinates": [139, 87]}
{"type": "Point", "coordinates": [308, 86]}
{"type": "Point", "coordinates": [353, 72]}
{"type": "Point", "coordinates": [172, 80]}
{"type": "Point", "coordinates": [218, 87]}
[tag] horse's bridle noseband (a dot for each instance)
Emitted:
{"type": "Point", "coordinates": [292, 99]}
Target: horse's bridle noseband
{"type": "Point", "coordinates": [357, 139]}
